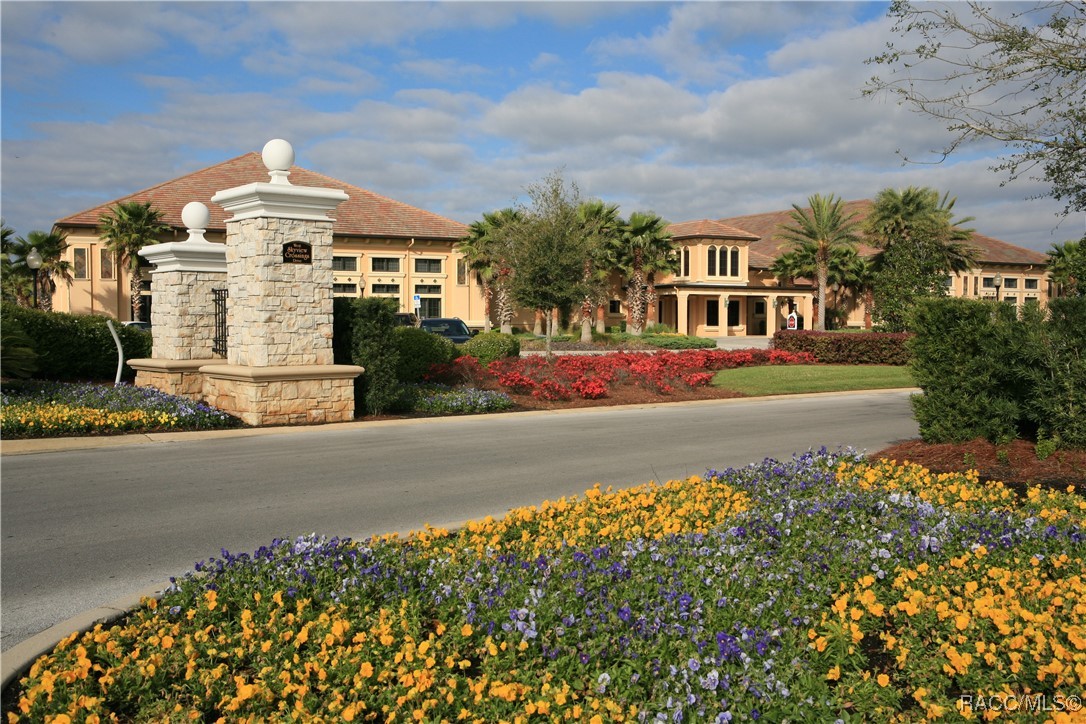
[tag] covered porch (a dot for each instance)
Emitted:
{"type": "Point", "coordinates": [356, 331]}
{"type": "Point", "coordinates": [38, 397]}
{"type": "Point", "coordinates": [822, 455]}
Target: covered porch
{"type": "Point", "coordinates": [722, 311]}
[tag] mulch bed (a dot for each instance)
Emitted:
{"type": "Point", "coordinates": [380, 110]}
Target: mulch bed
{"type": "Point", "coordinates": [1015, 464]}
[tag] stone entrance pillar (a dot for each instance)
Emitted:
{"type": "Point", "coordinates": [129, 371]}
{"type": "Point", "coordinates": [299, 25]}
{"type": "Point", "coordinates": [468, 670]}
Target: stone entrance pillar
{"type": "Point", "coordinates": [183, 283]}
{"type": "Point", "coordinates": [279, 367]}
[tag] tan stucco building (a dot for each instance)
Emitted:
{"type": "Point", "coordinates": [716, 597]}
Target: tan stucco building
{"type": "Point", "coordinates": [384, 247]}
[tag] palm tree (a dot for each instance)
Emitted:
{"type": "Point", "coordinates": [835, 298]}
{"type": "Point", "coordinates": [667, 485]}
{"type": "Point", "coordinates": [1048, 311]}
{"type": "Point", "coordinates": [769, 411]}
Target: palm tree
{"type": "Point", "coordinates": [52, 248]}
{"type": "Point", "coordinates": [921, 243]}
{"type": "Point", "coordinates": [128, 227]}
{"type": "Point", "coordinates": [1067, 266]}
{"type": "Point", "coordinates": [644, 241]}
{"type": "Point", "coordinates": [486, 247]}
{"type": "Point", "coordinates": [817, 232]}
{"type": "Point", "coordinates": [601, 225]}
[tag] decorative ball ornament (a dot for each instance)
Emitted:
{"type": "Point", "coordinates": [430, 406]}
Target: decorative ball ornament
{"type": "Point", "coordinates": [195, 215]}
{"type": "Point", "coordinates": [278, 155]}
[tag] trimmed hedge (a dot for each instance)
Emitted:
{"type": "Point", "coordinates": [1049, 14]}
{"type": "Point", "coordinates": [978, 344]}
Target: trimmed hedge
{"type": "Point", "coordinates": [362, 334]}
{"type": "Point", "coordinates": [77, 347]}
{"type": "Point", "coordinates": [988, 372]}
{"type": "Point", "coordinates": [489, 346]}
{"type": "Point", "coordinates": [847, 348]}
{"type": "Point", "coordinates": [417, 351]}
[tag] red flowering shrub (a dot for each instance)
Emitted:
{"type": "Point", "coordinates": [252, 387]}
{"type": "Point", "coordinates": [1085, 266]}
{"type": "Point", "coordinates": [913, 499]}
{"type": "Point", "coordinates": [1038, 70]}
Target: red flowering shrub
{"type": "Point", "coordinates": [464, 370]}
{"type": "Point", "coordinates": [551, 390]}
{"type": "Point", "coordinates": [592, 376]}
{"type": "Point", "coordinates": [590, 389]}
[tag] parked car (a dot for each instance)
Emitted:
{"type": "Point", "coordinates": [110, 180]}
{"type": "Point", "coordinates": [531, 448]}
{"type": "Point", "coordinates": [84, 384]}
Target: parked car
{"type": "Point", "coordinates": [144, 326]}
{"type": "Point", "coordinates": [452, 328]}
{"type": "Point", "coordinates": [407, 319]}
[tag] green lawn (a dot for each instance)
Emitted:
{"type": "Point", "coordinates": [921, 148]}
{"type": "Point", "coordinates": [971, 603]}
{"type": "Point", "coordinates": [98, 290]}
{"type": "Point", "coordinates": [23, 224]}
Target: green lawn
{"type": "Point", "coordinates": [793, 379]}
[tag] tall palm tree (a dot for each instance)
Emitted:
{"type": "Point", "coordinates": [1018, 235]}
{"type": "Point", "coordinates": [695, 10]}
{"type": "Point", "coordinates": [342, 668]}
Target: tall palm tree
{"type": "Point", "coordinates": [601, 225]}
{"type": "Point", "coordinates": [1067, 265]}
{"type": "Point", "coordinates": [128, 227]}
{"type": "Point", "coordinates": [487, 248]}
{"type": "Point", "coordinates": [52, 248]}
{"type": "Point", "coordinates": [817, 231]}
{"type": "Point", "coordinates": [644, 241]}
{"type": "Point", "coordinates": [920, 243]}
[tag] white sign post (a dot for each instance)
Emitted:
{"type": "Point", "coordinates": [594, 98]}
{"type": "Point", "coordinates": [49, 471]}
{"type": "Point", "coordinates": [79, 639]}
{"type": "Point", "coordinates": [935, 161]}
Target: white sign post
{"type": "Point", "coordinates": [418, 302]}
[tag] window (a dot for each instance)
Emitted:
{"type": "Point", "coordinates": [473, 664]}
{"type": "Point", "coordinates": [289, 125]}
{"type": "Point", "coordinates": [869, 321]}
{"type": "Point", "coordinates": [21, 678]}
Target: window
{"type": "Point", "coordinates": [386, 290]}
{"type": "Point", "coordinates": [1010, 283]}
{"type": "Point", "coordinates": [614, 306]}
{"type": "Point", "coordinates": [428, 289]}
{"type": "Point", "coordinates": [712, 310]}
{"type": "Point", "coordinates": [345, 263]}
{"type": "Point", "coordinates": [712, 262]}
{"type": "Point", "coordinates": [733, 313]}
{"type": "Point", "coordinates": [349, 289]}
{"type": "Point", "coordinates": [385, 264]}
{"type": "Point", "coordinates": [759, 307]}
{"type": "Point", "coordinates": [686, 261]}
{"type": "Point", "coordinates": [430, 307]}
{"type": "Point", "coordinates": [1031, 284]}
{"type": "Point", "coordinates": [735, 271]}
{"type": "Point", "coordinates": [105, 262]}
{"type": "Point", "coordinates": [462, 272]}
{"type": "Point", "coordinates": [79, 264]}
{"type": "Point", "coordinates": [724, 272]}
{"type": "Point", "coordinates": [949, 282]}
{"type": "Point", "coordinates": [975, 290]}
{"type": "Point", "coordinates": [988, 282]}
{"type": "Point", "coordinates": [427, 266]}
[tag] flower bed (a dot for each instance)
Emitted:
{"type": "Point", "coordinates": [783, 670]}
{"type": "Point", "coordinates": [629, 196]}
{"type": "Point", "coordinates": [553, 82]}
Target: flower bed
{"type": "Point", "coordinates": [594, 376]}
{"type": "Point", "coordinates": [53, 409]}
{"type": "Point", "coordinates": [824, 587]}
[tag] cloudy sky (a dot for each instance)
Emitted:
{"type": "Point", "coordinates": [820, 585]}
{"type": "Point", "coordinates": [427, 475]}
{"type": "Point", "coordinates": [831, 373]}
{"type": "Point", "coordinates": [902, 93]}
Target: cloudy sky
{"type": "Point", "coordinates": [693, 110]}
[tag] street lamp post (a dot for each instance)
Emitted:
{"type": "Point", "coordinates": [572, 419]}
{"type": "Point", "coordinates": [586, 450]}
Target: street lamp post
{"type": "Point", "coordinates": [33, 260]}
{"type": "Point", "coordinates": [998, 281]}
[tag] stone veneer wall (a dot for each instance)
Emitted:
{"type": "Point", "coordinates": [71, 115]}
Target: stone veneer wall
{"type": "Point", "coordinates": [282, 402]}
{"type": "Point", "coordinates": [276, 310]}
{"type": "Point", "coordinates": [183, 314]}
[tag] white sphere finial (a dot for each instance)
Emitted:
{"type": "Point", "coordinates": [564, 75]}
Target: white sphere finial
{"type": "Point", "coordinates": [278, 155]}
{"type": "Point", "coordinates": [195, 215]}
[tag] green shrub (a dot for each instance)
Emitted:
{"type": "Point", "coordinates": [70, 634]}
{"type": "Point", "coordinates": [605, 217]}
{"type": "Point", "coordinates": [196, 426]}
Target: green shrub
{"type": "Point", "coordinates": [970, 357]}
{"type": "Point", "coordinates": [362, 335]}
{"type": "Point", "coordinates": [74, 347]}
{"type": "Point", "coordinates": [417, 350]}
{"type": "Point", "coordinates": [17, 356]}
{"type": "Point", "coordinates": [1057, 374]}
{"type": "Point", "coordinates": [672, 341]}
{"type": "Point", "coordinates": [846, 348]}
{"type": "Point", "coordinates": [489, 346]}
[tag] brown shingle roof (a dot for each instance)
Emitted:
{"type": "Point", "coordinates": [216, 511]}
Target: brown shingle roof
{"type": "Point", "coordinates": [708, 229]}
{"type": "Point", "coordinates": [364, 214]}
{"type": "Point", "coordinates": [770, 244]}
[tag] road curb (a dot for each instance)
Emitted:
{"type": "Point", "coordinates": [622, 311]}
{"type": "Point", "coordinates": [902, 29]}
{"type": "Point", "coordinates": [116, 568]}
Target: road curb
{"type": "Point", "coordinates": [17, 660]}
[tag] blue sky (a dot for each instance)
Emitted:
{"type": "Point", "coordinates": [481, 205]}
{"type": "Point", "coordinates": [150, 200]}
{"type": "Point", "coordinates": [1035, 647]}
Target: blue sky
{"type": "Point", "coordinates": [692, 110]}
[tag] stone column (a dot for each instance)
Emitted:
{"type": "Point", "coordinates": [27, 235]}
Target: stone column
{"type": "Point", "coordinates": [279, 367]}
{"type": "Point", "coordinates": [183, 315]}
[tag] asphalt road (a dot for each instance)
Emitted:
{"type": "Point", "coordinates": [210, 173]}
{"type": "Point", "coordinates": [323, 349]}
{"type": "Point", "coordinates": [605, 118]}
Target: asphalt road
{"type": "Point", "coordinates": [82, 528]}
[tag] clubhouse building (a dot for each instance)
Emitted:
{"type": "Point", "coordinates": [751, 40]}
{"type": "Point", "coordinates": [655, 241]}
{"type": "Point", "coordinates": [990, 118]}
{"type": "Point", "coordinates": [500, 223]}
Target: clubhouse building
{"type": "Point", "coordinates": [385, 248]}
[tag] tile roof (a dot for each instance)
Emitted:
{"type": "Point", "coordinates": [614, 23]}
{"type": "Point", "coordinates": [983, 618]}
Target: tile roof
{"type": "Point", "coordinates": [770, 245]}
{"type": "Point", "coordinates": [708, 229]}
{"type": "Point", "coordinates": [364, 214]}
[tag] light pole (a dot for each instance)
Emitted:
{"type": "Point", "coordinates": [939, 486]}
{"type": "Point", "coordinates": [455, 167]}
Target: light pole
{"type": "Point", "coordinates": [998, 281]}
{"type": "Point", "coordinates": [33, 260]}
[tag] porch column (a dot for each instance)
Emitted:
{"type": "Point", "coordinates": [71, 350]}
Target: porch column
{"type": "Point", "coordinates": [772, 315]}
{"type": "Point", "coordinates": [723, 312]}
{"type": "Point", "coordinates": [681, 320]}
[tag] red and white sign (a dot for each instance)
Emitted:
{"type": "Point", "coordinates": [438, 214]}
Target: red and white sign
{"type": "Point", "coordinates": [793, 321]}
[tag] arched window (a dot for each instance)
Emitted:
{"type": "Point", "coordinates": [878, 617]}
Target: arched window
{"type": "Point", "coordinates": [724, 262]}
{"type": "Point", "coordinates": [712, 261]}
{"type": "Point", "coordinates": [686, 261]}
{"type": "Point", "coordinates": [736, 272]}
